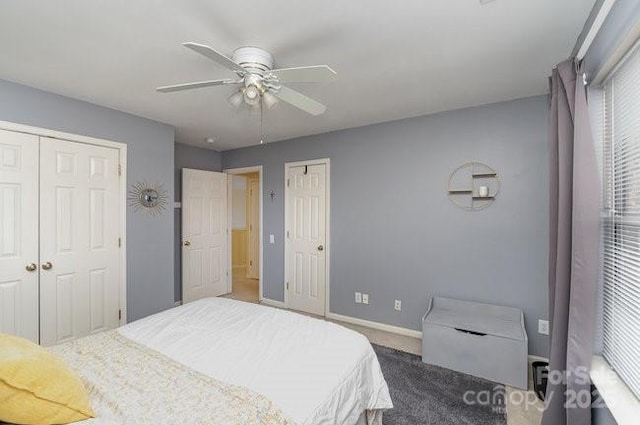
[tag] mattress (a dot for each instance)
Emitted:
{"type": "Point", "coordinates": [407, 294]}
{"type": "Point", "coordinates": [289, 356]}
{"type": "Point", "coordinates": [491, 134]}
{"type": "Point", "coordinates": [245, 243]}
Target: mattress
{"type": "Point", "coordinates": [316, 372]}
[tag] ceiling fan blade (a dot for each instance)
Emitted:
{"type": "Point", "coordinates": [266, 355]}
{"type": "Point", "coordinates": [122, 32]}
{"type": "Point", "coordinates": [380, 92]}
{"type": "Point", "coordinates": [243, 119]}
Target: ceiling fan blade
{"type": "Point", "coordinates": [195, 85]}
{"type": "Point", "coordinates": [215, 56]}
{"type": "Point", "coordinates": [300, 101]}
{"type": "Point", "coordinates": [305, 74]}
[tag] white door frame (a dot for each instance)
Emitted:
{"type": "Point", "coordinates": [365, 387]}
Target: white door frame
{"type": "Point", "coordinates": [122, 155]}
{"type": "Point", "coordinates": [245, 170]}
{"type": "Point", "coordinates": [327, 248]}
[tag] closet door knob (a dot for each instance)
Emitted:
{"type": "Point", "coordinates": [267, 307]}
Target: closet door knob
{"type": "Point", "coordinates": [187, 243]}
{"type": "Point", "coordinates": [31, 267]}
{"type": "Point", "coordinates": [47, 266]}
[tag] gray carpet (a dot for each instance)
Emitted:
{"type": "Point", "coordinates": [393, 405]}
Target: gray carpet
{"type": "Point", "coordinates": [423, 394]}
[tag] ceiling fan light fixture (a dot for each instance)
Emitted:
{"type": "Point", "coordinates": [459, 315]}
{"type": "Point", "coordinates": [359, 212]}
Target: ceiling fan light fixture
{"type": "Point", "coordinates": [259, 84]}
{"type": "Point", "coordinates": [236, 98]}
{"type": "Point", "coordinates": [252, 95]}
{"type": "Point", "coordinates": [269, 99]}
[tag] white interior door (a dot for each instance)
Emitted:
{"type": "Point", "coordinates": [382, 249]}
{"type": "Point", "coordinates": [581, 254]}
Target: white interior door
{"type": "Point", "coordinates": [307, 238]}
{"type": "Point", "coordinates": [204, 234]}
{"type": "Point", "coordinates": [253, 270]}
{"type": "Point", "coordinates": [79, 240]}
{"type": "Point", "coordinates": [19, 234]}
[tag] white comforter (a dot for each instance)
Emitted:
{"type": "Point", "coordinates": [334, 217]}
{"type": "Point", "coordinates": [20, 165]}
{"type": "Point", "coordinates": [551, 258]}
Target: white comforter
{"type": "Point", "coordinates": [316, 372]}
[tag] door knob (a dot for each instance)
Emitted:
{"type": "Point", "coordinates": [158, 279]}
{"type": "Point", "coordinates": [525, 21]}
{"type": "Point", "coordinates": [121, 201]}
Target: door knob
{"type": "Point", "coordinates": [187, 243]}
{"type": "Point", "coordinates": [47, 266]}
{"type": "Point", "coordinates": [320, 248]}
{"type": "Point", "coordinates": [31, 267]}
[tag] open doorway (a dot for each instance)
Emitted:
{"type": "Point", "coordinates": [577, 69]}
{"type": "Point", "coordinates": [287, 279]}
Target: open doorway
{"type": "Point", "coordinates": [245, 218]}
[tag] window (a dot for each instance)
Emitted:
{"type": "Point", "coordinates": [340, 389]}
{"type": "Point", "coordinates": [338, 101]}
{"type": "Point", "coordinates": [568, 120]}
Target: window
{"type": "Point", "coordinates": [621, 221]}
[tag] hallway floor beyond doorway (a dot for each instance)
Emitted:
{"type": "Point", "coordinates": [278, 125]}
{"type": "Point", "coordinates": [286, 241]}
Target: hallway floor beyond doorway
{"type": "Point", "coordinates": [244, 288]}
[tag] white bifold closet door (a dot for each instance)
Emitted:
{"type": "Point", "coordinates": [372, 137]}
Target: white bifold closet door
{"type": "Point", "coordinates": [59, 230]}
{"type": "Point", "coordinates": [19, 234]}
{"type": "Point", "coordinates": [79, 225]}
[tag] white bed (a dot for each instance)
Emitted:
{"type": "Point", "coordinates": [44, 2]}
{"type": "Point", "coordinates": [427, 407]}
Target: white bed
{"type": "Point", "coordinates": [314, 371]}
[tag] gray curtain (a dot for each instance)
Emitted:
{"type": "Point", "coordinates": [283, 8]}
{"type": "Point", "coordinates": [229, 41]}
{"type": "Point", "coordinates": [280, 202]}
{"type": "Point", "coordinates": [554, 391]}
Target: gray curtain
{"type": "Point", "coordinates": [574, 249]}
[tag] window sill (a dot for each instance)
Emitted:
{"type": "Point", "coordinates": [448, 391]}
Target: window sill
{"type": "Point", "coordinates": [622, 403]}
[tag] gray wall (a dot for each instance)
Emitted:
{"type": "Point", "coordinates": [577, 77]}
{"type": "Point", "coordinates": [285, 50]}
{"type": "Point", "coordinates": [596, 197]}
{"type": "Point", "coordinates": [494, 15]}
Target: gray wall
{"type": "Point", "coordinates": [394, 232]}
{"type": "Point", "coordinates": [187, 157]}
{"type": "Point", "coordinates": [150, 157]}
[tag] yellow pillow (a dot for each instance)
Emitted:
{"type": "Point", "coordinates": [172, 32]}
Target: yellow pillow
{"type": "Point", "coordinates": [38, 388]}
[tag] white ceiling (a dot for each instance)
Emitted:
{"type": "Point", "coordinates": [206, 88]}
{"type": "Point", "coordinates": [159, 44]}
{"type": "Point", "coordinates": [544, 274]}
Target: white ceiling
{"type": "Point", "coordinates": [394, 59]}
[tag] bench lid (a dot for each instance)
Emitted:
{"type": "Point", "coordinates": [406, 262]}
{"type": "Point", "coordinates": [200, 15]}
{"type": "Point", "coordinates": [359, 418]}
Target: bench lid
{"type": "Point", "coordinates": [505, 322]}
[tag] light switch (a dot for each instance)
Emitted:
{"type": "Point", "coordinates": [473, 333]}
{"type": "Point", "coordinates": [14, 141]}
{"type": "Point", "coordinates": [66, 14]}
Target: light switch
{"type": "Point", "coordinates": [272, 239]}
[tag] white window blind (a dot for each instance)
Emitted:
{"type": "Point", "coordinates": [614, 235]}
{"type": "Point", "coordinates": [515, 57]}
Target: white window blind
{"type": "Point", "coordinates": [621, 221]}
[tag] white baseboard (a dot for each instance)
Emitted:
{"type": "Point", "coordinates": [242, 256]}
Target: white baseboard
{"type": "Point", "coordinates": [375, 325]}
{"type": "Point", "coordinates": [272, 303]}
{"type": "Point", "coordinates": [380, 326]}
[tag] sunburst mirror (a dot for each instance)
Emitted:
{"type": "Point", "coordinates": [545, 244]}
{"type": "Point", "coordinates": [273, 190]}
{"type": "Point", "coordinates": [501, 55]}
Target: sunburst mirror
{"type": "Point", "coordinates": [148, 197]}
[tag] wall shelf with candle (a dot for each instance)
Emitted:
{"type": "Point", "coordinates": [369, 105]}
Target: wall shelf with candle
{"type": "Point", "coordinates": [473, 186]}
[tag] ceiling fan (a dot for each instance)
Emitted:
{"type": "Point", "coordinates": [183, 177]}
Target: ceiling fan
{"type": "Point", "coordinates": [257, 81]}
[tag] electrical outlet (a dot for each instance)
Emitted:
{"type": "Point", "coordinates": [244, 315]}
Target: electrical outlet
{"type": "Point", "coordinates": [543, 327]}
{"type": "Point", "coordinates": [358, 297]}
{"type": "Point", "coordinates": [397, 305]}
{"type": "Point", "coordinates": [365, 298]}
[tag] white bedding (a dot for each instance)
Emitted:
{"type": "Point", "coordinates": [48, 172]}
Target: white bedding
{"type": "Point", "coordinates": [316, 372]}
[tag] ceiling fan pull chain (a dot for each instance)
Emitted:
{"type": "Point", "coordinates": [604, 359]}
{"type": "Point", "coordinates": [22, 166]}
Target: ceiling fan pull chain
{"type": "Point", "coordinates": [261, 123]}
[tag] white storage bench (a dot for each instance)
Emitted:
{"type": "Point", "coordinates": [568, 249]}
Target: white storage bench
{"type": "Point", "coordinates": [484, 340]}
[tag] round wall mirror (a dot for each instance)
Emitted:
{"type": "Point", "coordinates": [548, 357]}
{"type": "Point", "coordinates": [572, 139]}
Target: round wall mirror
{"type": "Point", "coordinates": [149, 197]}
